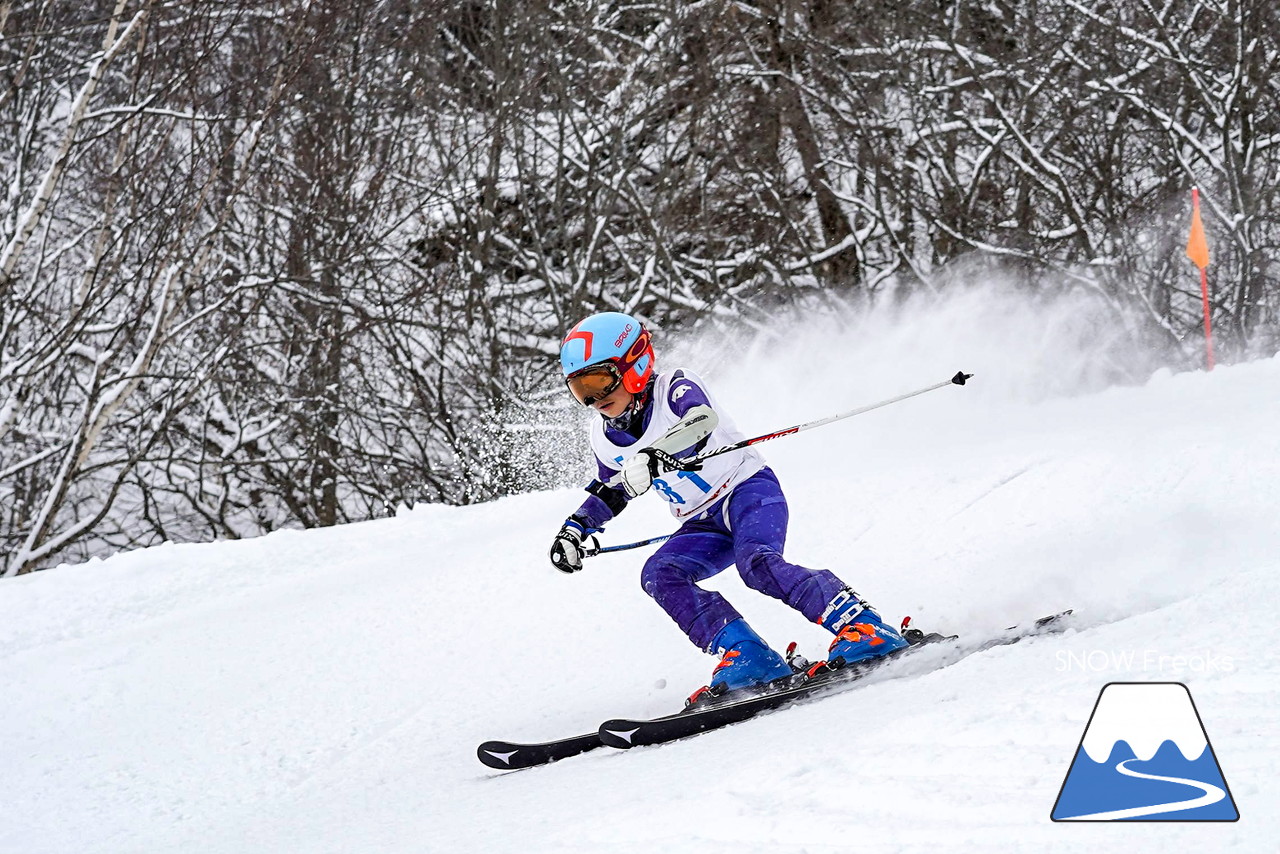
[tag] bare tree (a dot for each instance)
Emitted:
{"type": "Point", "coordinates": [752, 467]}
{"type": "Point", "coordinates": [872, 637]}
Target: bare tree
{"type": "Point", "coordinates": [298, 264]}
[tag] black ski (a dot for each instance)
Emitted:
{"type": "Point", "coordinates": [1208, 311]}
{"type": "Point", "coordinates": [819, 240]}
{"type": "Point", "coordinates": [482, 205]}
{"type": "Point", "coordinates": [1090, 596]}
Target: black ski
{"type": "Point", "coordinates": [732, 708]}
{"type": "Point", "coordinates": [507, 755]}
{"type": "Point", "coordinates": [719, 712]}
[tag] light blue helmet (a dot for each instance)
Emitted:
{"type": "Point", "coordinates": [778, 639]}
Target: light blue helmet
{"type": "Point", "coordinates": [610, 337]}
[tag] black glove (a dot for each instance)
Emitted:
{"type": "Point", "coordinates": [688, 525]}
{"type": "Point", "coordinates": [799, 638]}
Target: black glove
{"type": "Point", "coordinates": [566, 549]}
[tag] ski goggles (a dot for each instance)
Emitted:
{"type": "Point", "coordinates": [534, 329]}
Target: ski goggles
{"type": "Point", "coordinates": [594, 382]}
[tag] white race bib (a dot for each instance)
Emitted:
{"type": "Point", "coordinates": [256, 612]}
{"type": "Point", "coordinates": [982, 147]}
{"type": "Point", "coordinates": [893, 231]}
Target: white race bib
{"type": "Point", "coordinates": [689, 492]}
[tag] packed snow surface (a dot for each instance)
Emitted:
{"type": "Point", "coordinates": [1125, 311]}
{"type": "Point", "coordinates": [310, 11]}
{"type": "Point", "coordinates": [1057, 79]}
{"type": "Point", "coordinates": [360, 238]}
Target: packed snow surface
{"type": "Point", "coordinates": [324, 691]}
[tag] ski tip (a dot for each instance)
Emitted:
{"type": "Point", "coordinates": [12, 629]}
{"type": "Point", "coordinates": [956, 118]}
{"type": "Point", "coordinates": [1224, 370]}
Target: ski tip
{"type": "Point", "coordinates": [961, 378]}
{"type": "Point", "coordinates": [1053, 618]}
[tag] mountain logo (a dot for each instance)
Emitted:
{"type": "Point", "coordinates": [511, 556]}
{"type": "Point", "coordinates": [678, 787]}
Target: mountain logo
{"type": "Point", "coordinates": [1145, 756]}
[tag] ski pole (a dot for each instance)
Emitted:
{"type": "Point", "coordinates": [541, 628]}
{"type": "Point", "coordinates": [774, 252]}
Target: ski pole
{"type": "Point", "coordinates": [597, 549]}
{"type": "Point", "coordinates": [670, 463]}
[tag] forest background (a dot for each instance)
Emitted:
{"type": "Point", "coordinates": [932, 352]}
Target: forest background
{"type": "Point", "coordinates": [293, 264]}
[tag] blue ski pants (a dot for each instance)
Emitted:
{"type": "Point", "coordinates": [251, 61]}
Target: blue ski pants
{"type": "Point", "coordinates": [747, 528]}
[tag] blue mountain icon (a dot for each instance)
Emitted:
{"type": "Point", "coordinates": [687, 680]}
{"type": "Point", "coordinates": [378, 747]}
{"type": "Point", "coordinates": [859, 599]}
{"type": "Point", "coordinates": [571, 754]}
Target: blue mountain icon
{"type": "Point", "coordinates": [1145, 756]}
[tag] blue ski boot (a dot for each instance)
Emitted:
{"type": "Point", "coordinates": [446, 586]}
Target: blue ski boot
{"type": "Point", "coordinates": [860, 633]}
{"type": "Point", "coordinates": [745, 661]}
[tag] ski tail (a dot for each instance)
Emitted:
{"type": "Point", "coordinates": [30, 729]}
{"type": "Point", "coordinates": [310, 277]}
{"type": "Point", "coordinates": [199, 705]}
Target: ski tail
{"type": "Point", "coordinates": [510, 755]}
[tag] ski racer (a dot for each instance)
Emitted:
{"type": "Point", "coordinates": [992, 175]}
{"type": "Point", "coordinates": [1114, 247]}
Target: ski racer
{"type": "Point", "coordinates": [731, 510]}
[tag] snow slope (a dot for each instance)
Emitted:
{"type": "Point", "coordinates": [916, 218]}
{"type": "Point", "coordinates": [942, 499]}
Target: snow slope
{"type": "Point", "coordinates": [325, 691]}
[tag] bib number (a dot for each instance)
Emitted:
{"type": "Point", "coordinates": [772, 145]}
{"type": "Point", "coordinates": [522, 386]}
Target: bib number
{"type": "Point", "coordinates": [669, 492]}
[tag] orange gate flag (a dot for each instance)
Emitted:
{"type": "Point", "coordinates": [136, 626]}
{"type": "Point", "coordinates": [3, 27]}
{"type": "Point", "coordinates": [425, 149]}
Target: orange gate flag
{"type": "Point", "coordinates": [1197, 246]}
{"type": "Point", "coordinates": [1198, 252]}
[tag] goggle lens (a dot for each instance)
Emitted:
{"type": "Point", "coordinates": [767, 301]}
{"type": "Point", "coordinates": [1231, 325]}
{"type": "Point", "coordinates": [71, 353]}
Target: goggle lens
{"type": "Point", "coordinates": [595, 383]}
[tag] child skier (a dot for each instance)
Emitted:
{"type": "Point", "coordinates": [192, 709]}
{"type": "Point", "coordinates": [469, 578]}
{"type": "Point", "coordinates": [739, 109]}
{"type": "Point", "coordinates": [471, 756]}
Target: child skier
{"type": "Point", "coordinates": [732, 510]}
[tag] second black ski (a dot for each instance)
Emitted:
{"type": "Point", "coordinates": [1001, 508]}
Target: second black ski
{"type": "Point", "coordinates": [626, 733]}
